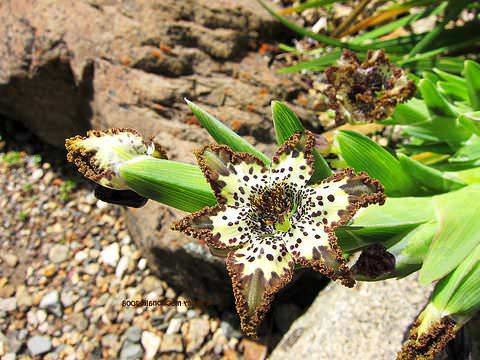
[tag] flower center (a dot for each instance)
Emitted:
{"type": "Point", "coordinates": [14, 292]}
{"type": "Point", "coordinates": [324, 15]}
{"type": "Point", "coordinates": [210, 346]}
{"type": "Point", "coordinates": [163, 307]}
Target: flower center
{"type": "Point", "coordinates": [274, 205]}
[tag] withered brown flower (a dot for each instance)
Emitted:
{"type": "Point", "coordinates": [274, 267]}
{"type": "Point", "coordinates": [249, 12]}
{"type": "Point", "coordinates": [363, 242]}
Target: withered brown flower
{"type": "Point", "coordinates": [365, 91]}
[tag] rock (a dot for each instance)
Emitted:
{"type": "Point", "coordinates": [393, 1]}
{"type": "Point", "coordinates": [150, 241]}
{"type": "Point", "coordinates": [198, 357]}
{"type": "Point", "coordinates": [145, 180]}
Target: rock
{"type": "Point", "coordinates": [110, 254]}
{"type": "Point", "coordinates": [8, 304]}
{"type": "Point", "coordinates": [195, 331]}
{"type": "Point", "coordinates": [68, 298]}
{"type": "Point", "coordinates": [122, 267]}
{"type": "Point", "coordinates": [151, 344]}
{"type": "Point", "coordinates": [60, 75]}
{"type": "Point", "coordinates": [81, 256]}
{"type": "Point", "coordinates": [58, 253]}
{"type": "Point", "coordinates": [171, 342]}
{"type": "Point", "coordinates": [79, 321]}
{"type": "Point", "coordinates": [285, 314]}
{"type": "Point", "coordinates": [330, 329]}
{"type": "Point", "coordinates": [142, 264]}
{"type": "Point", "coordinates": [152, 283]}
{"type": "Point", "coordinates": [38, 345]}
{"type": "Point", "coordinates": [133, 334]}
{"type": "Point", "coordinates": [51, 303]}
{"type": "Point", "coordinates": [36, 175]}
{"type": "Point", "coordinates": [174, 326]}
{"type": "Point", "coordinates": [253, 350]}
{"type": "Point", "coordinates": [92, 269]}
{"type": "Point", "coordinates": [49, 270]}
{"type": "Point", "coordinates": [131, 351]}
{"type": "Point", "coordinates": [24, 299]}
{"type": "Point", "coordinates": [10, 259]}
{"type": "Point", "coordinates": [110, 340]}
{"type": "Point", "coordinates": [4, 345]}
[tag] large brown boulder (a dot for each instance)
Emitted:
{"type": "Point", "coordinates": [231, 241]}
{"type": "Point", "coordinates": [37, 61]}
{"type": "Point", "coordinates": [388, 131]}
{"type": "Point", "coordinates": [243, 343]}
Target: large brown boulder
{"type": "Point", "coordinates": [68, 65]}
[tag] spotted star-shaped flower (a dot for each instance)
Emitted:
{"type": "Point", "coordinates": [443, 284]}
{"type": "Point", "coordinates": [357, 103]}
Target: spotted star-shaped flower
{"type": "Point", "coordinates": [270, 218]}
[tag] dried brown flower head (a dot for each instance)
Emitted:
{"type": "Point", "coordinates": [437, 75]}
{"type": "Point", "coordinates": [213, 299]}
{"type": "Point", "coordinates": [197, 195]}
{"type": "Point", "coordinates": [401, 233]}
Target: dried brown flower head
{"type": "Point", "coordinates": [365, 91]}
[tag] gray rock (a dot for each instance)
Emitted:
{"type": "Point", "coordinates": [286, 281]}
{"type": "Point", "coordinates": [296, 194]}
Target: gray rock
{"type": "Point", "coordinates": [133, 334]}
{"type": "Point", "coordinates": [94, 75]}
{"type": "Point", "coordinates": [131, 351]}
{"type": "Point", "coordinates": [79, 321]}
{"type": "Point", "coordinates": [38, 345]}
{"type": "Point", "coordinates": [110, 340]}
{"type": "Point", "coordinates": [369, 321]}
{"type": "Point", "coordinates": [51, 302]}
{"type": "Point", "coordinates": [58, 253]}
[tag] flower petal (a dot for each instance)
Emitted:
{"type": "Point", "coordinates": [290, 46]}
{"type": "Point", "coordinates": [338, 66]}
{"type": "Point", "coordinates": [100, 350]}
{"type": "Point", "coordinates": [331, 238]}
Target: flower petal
{"type": "Point", "coordinates": [292, 163]}
{"type": "Point", "coordinates": [221, 227]}
{"type": "Point", "coordinates": [311, 245]}
{"type": "Point", "coordinates": [258, 270]}
{"type": "Point", "coordinates": [337, 198]}
{"type": "Point", "coordinates": [100, 153]}
{"type": "Point", "coordinates": [232, 176]}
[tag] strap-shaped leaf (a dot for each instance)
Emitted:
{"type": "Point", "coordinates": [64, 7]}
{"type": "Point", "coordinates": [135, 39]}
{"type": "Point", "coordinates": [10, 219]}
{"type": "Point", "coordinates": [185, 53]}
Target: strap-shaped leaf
{"type": "Point", "coordinates": [380, 223]}
{"type": "Point", "coordinates": [458, 233]}
{"type": "Point", "coordinates": [454, 79]}
{"type": "Point", "coordinates": [412, 112]}
{"type": "Point", "coordinates": [176, 184]}
{"type": "Point", "coordinates": [468, 152]}
{"type": "Point", "coordinates": [363, 154]}
{"type": "Point", "coordinates": [436, 103]}
{"type": "Point", "coordinates": [305, 32]}
{"type": "Point", "coordinates": [472, 75]}
{"type": "Point", "coordinates": [286, 124]}
{"type": "Point", "coordinates": [429, 177]}
{"type": "Point", "coordinates": [464, 286]}
{"type": "Point", "coordinates": [223, 134]}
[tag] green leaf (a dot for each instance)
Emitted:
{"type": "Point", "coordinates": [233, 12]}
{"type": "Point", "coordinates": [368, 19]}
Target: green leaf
{"type": "Point", "coordinates": [469, 152]}
{"type": "Point", "coordinates": [305, 32]}
{"type": "Point", "coordinates": [471, 120]}
{"type": "Point", "coordinates": [318, 64]}
{"type": "Point", "coordinates": [436, 103]}
{"type": "Point", "coordinates": [468, 176]}
{"type": "Point", "coordinates": [176, 184]}
{"type": "Point", "coordinates": [465, 300]}
{"type": "Point", "coordinates": [429, 177]}
{"type": "Point", "coordinates": [458, 233]}
{"type": "Point", "coordinates": [223, 134]}
{"type": "Point", "coordinates": [472, 75]}
{"type": "Point", "coordinates": [309, 5]}
{"type": "Point", "coordinates": [363, 154]}
{"type": "Point", "coordinates": [380, 223]}
{"type": "Point", "coordinates": [286, 123]}
{"type": "Point", "coordinates": [412, 248]}
{"type": "Point", "coordinates": [453, 90]}
{"type": "Point", "coordinates": [453, 79]}
{"type": "Point", "coordinates": [459, 292]}
{"type": "Point", "coordinates": [412, 112]}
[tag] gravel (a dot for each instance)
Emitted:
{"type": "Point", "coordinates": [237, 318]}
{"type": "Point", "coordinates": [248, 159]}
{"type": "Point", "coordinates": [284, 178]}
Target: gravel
{"type": "Point", "coordinates": [67, 264]}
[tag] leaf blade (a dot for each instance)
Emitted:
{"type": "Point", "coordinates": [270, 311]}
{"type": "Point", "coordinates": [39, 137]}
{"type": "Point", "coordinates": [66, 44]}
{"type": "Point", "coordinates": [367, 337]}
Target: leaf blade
{"type": "Point", "coordinates": [223, 134]}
